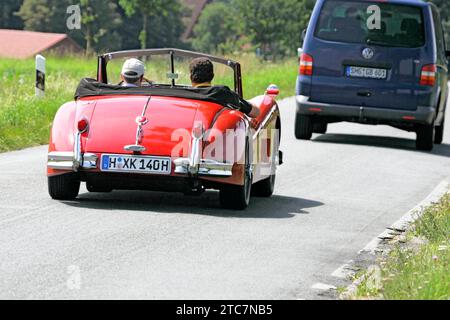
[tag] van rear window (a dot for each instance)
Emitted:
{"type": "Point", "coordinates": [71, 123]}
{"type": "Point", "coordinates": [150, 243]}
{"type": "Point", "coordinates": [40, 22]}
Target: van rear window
{"type": "Point", "coordinates": [350, 21]}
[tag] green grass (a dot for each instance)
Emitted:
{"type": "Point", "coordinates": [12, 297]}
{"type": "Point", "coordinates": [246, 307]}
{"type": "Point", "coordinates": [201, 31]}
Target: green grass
{"type": "Point", "coordinates": [416, 274]}
{"type": "Point", "coordinates": [25, 120]}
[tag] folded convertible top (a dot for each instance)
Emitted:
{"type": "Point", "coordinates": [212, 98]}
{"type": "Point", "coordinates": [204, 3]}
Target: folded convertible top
{"type": "Point", "coordinates": [91, 87]}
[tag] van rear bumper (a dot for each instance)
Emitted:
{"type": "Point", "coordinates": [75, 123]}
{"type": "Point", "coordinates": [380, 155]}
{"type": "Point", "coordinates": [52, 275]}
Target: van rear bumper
{"type": "Point", "coordinates": [423, 115]}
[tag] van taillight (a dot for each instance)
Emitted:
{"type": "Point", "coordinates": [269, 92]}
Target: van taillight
{"type": "Point", "coordinates": [306, 65]}
{"type": "Point", "coordinates": [428, 75]}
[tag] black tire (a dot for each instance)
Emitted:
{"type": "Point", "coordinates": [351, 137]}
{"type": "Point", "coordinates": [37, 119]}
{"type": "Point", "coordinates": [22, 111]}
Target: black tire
{"type": "Point", "coordinates": [264, 188]}
{"type": "Point", "coordinates": [303, 127]}
{"type": "Point", "coordinates": [439, 134]}
{"type": "Point", "coordinates": [94, 188]}
{"type": "Point", "coordinates": [64, 187]}
{"type": "Point", "coordinates": [320, 127]}
{"type": "Point", "coordinates": [238, 197]}
{"type": "Point", "coordinates": [425, 137]}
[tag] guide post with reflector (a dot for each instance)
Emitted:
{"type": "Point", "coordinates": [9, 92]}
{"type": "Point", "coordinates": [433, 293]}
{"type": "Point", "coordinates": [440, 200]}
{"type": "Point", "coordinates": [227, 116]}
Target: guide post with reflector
{"type": "Point", "coordinates": [40, 76]}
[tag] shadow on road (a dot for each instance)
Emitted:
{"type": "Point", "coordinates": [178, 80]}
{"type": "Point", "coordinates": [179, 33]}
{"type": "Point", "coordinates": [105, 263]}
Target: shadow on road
{"type": "Point", "coordinates": [381, 141]}
{"type": "Point", "coordinates": [276, 207]}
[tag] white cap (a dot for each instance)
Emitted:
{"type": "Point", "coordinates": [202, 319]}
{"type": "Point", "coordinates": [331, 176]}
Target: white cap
{"type": "Point", "coordinates": [133, 68]}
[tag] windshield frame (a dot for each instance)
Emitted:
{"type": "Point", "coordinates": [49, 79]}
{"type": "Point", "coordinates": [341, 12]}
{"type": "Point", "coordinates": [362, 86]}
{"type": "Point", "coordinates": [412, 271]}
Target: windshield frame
{"type": "Point", "coordinates": [102, 74]}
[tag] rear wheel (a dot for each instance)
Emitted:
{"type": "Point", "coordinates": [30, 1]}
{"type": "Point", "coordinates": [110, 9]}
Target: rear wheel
{"type": "Point", "coordinates": [425, 137]}
{"type": "Point", "coordinates": [238, 197]}
{"type": "Point", "coordinates": [303, 127]}
{"type": "Point", "coordinates": [64, 187]}
{"type": "Point", "coordinates": [320, 127]}
{"type": "Point", "coordinates": [439, 135]}
{"type": "Point", "coordinates": [264, 188]}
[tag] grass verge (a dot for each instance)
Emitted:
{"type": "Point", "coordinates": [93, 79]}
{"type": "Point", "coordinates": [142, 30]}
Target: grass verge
{"type": "Point", "coordinates": [25, 120]}
{"type": "Point", "coordinates": [417, 269]}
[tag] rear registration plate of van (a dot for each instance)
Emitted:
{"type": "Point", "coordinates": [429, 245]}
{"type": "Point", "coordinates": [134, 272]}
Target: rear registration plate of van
{"type": "Point", "coordinates": [364, 72]}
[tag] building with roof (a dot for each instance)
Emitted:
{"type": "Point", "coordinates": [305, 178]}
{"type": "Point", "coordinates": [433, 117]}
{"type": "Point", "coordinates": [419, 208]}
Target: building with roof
{"type": "Point", "coordinates": [21, 44]}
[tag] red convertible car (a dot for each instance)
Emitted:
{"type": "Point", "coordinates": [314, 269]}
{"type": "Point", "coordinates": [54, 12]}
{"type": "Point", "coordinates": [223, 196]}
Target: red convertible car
{"type": "Point", "coordinates": [163, 137]}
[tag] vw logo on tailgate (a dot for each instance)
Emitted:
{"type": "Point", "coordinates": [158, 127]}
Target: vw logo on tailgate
{"type": "Point", "coordinates": [367, 53]}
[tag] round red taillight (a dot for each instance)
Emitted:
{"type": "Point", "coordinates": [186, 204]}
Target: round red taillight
{"type": "Point", "coordinates": [83, 125]}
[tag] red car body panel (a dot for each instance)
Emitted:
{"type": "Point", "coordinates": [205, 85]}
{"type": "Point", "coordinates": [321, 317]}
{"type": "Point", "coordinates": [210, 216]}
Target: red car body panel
{"type": "Point", "coordinates": [112, 125]}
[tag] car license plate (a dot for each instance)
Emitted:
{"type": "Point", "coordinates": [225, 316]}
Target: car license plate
{"type": "Point", "coordinates": [363, 72]}
{"type": "Point", "coordinates": [136, 164]}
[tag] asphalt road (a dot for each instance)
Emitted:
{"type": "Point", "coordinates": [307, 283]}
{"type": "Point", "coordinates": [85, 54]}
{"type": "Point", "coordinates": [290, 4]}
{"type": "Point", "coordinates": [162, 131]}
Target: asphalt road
{"type": "Point", "coordinates": [333, 195]}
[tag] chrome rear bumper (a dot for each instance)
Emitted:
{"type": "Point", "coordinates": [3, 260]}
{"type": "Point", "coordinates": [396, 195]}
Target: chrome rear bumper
{"type": "Point", "coordinates": [205, 167]}
{"type": "Point", "coordinates": [67, 161]}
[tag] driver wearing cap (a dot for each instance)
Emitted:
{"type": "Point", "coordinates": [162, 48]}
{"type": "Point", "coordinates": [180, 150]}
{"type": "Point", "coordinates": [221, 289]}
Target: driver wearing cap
{"type": "Point", "coordinates": [132, 73]}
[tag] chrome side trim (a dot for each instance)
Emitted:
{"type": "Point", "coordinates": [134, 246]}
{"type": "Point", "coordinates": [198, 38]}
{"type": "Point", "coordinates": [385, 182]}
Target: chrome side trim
{"type": "Point", "coordinates": [264, 123]}
{"type": "Point", "coordinates": [205, 167]}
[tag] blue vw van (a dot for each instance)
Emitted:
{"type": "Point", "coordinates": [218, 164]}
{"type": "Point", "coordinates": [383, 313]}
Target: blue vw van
{"type": "Point", "coordinates": [374, 62]}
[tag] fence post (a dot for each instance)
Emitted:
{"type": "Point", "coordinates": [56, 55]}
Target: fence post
{"type": "Point", "coordinates": [40, 76]}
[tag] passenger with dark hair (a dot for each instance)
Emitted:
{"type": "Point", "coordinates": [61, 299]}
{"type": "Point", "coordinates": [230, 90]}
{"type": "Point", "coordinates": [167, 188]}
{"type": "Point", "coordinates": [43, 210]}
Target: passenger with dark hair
{"type": "Point", "coordinates": [202, 74]}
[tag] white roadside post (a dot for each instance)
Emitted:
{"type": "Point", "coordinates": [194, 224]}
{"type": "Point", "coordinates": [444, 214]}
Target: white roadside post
{"type": "Point", "coordinates": [40, 76]}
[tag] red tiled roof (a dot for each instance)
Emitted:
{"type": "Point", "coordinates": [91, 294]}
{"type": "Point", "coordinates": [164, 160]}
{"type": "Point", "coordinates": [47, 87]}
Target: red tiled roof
{"type": "Point", "coordinates": [24, 44]}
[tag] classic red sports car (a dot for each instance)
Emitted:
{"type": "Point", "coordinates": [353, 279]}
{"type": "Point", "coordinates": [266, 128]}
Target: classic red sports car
{"type": "Point", "coordinates": [163, 137]}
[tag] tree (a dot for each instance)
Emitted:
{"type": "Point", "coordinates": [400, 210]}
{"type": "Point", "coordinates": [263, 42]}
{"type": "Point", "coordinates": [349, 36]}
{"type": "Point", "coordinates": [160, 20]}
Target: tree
{"type": "Point", "coordinates": [99, 20]}
{"type": "Point", "coordinates": [274, 26]}
{"type": "Point", "coordinates": [444, 8]}
{"type": "Point", "coordinates": [217, 29]}
{"type": "Point", "coordinates": [166, 11]}
{"type": "Point", "coordinates": [8, 20]}
{"type": "Point", "coordinates": [44, 15]}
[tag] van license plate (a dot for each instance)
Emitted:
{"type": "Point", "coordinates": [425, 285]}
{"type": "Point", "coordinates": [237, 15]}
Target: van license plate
{"type": "Point", "coordinates": [136, 164]}
{"type": "Point", "coordinates": [363, 72]}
